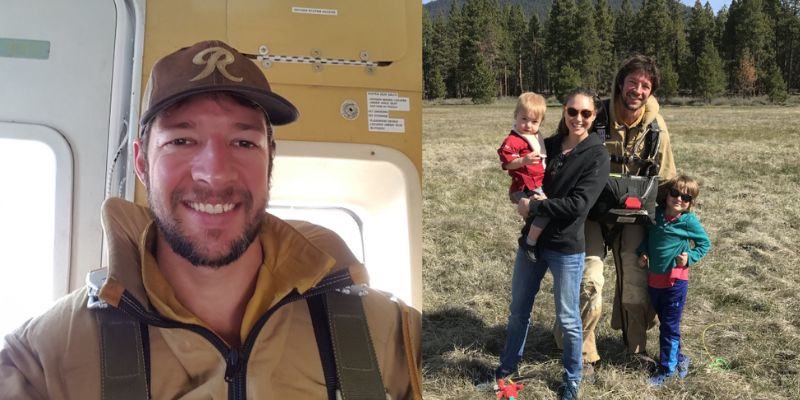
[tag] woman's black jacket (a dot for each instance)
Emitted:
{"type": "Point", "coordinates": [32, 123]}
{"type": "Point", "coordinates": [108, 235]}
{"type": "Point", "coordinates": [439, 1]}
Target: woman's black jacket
{"type": "Point", "coordinates": [572, 183]}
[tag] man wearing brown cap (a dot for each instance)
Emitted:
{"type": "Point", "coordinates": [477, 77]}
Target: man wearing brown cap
{"type": "Point", "coordinates": [206, 295]}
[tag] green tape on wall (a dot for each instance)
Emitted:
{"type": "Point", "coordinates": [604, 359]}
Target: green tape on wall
{"type": "Point", "coordinates": [25, 48]}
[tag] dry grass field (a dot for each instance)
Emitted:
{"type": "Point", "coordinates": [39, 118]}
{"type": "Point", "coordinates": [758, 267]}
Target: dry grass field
{"type": "Point", "coordinates": [747, 161]}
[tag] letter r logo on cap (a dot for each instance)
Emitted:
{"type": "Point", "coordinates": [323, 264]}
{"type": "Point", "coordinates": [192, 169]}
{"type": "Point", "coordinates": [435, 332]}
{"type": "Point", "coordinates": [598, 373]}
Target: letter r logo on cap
{"type": "Point", "coordinates": [219, 58]}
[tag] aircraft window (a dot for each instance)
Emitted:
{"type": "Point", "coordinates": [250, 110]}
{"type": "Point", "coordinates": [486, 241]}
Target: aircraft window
{"type": "Point", "coordinates": [340, 220]}
{"type": "Point", "coordinates": [27, 237]}
{"type": "Point", "coordinates": [378, 186]}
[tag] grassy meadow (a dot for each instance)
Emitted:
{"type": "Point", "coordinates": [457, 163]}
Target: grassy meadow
{"type": "Point", "coordinates": [747, 161]}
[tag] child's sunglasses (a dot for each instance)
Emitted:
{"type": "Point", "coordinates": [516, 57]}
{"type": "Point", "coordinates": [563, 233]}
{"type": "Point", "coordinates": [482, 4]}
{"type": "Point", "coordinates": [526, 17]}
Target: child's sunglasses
{"type": "Point", "coordinates": [677, 193]}
{"type": "Point", "coordinates": [584, 113]}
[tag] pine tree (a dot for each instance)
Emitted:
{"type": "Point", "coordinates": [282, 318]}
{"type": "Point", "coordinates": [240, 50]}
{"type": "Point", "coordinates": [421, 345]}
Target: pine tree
{"type": "Point", "coordinates": [587, 45]}
{"type": "Point", "coordinates": [787, 39]}
{"type": "Point", "coordinates": [482, 83]}
{"type": "Point", "coordinates": [719, 29]}
{"type": "Point", "coordinates": [455, 35]}
{"type": "Point", "coordinates": [437, 88]}
{"type": "Point", "coordinates": [793, 48]}
{"type": "Point", "coordinates": [729, 45]}
{"type": "Point", "coordinates": [774, 85]}
{"type": "Point", "coordinates": [560, 35]}
{"type": "Point", "coordinates": [753, 31]}
{"type": "Point", "coordinates": [701, 28]}
{"type": "Point", "coordinates": [533, 57]}
{"type": "Point", "coordinates": [669, 82]}
{"type": "Point", "coordinates": [625, 31]}
{"type": "Point", "coordinates": [655, 23]}
{"type": "Point", "coordinates": [677, 47]}
{"type": "Point", "coordinates": [746, 75]}
{"type": "Point", "coordinates": [505, 60]}
{"type": "Point", "coordinates": [701, 32]}
{"type": "Point", "coordinates": [710, 80]}
{"type": "Point", "coordinates": [444, 51]}
{"type": "Point", "coordinates": [604, 24]}
{"type": "Point", "coordinates": [427, 53]}
{"type": "Point", "coordinates": [481, 43]}
{"type": "Point", "coordinates": [568, 79]}
{"type": "Point", "coordinates": [516, 28]}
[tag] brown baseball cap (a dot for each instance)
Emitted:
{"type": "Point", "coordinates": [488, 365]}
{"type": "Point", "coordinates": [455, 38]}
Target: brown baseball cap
{"type": "Point", "coordinates": [211, 66]}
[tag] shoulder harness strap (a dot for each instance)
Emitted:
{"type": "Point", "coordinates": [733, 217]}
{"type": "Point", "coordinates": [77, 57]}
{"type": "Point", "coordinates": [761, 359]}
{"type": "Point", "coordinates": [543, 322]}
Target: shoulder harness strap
{"type": "Point", "coordinates": [648, 166]}
{"type": "Point", "coordinates": [654, 145]}
{"type": "Point", "coordinates": [348, 357]}
{"type": "Point", "coordinates": [124, 355]}
{"type": "Point", "coordinates": [124, 346]}
{"type": "Point", "coordinates": [600, 125]}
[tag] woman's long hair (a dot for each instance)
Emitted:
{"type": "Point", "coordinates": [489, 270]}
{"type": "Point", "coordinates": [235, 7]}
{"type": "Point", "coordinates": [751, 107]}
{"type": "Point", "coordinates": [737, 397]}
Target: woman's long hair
{"type": "Point", "coordinates": [562, 125]}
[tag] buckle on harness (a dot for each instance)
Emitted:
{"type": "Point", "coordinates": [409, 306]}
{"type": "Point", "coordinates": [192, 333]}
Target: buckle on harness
{"type": "Point", "coordinates": [355, 290]}
{"type": "Point", "coordinates": [94, 281]}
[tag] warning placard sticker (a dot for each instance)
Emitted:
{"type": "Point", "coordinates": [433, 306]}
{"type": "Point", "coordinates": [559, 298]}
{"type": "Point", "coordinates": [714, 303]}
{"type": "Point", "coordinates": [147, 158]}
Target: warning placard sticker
{"type": "Point", "coordinates": [378, 106]}
{"type": "Point", "coordinates": [387, 125]}
{"type": "Point", "coordinates": [316, 11]}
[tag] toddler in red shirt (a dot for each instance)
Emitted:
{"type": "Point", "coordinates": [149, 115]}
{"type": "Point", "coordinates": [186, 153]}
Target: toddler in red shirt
{"type": "Point", "coordinates": [523, 155]}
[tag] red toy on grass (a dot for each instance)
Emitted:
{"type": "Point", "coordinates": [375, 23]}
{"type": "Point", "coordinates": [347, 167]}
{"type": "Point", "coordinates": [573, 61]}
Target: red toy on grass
{"type": "Point", "coordinates": [508, 391]}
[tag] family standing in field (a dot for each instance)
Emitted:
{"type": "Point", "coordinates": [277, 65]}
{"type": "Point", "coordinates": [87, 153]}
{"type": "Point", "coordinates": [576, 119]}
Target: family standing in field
{"type": "Point", "coordinates": [612, 162]}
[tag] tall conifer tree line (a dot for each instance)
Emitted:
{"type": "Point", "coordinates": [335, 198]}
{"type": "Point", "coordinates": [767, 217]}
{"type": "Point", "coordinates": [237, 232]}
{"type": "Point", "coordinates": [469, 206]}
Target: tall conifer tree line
{"type": "Point", "coordinates": [485, 50]}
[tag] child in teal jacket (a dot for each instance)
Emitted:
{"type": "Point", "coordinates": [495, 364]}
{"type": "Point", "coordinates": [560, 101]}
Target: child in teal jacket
{"type": "Point", "coordinates": [666, 247]}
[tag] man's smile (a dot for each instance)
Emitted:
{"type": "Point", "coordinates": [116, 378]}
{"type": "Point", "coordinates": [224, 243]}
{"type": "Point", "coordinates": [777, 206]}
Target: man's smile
{"type": "Point", "coordinates": [211, 208]}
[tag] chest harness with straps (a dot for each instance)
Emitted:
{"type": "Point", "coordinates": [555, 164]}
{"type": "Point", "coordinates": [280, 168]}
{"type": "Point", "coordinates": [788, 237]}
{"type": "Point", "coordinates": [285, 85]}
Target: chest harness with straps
{"type": "Point", "coordinates": [340, 326]}
{"type": "Point", "coordinates": [627, 199]}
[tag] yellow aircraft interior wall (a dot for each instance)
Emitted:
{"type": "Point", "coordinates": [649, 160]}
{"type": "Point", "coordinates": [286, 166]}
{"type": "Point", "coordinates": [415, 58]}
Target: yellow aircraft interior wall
{"type": "Point", "coordinates": [388, 31]}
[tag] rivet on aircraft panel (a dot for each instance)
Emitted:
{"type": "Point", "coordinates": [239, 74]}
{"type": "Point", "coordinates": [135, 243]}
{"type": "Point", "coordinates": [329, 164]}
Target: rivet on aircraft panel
{"type": "Point", "coordinates": [349, 109]}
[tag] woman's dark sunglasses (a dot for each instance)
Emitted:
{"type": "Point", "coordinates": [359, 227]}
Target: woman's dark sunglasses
{"type": "Point", "coordinates": [584, 113]}
{"type": "Point", "coordinates": [676, 193]}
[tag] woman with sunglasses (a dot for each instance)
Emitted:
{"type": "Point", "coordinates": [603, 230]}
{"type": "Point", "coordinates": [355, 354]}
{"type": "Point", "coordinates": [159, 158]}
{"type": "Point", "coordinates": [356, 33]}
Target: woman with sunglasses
{"type": "Point", "coordinates": [666, 247]}
{"type": "Point", "coordinates": [573, 181]}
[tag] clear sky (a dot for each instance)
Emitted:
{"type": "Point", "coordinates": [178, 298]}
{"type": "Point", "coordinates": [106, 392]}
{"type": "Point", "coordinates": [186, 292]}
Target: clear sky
{"type": "Point", "coordinates": [715, 4]}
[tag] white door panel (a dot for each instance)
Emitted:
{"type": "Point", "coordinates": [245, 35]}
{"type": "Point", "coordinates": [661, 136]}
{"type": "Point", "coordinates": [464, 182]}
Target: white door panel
{"type": "Point", "coordinates": [70, 92]}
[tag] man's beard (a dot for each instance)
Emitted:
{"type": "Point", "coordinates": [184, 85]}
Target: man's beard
{"type": "Point", "coordinates": [629, 106]}
{"type": "Point", "coordinates": [185, 247]}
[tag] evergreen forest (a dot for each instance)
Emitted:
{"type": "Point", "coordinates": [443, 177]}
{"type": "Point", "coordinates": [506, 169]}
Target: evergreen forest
{"type": "Point", "coordinates": [482, 50]}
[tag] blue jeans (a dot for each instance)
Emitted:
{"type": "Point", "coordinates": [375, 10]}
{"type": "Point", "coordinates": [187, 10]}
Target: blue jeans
{"type": "Point", "coordinates": [567, 270]}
